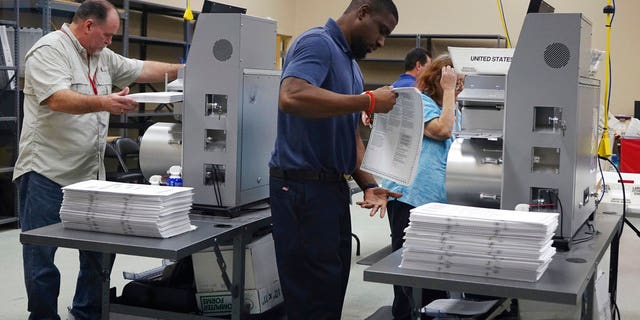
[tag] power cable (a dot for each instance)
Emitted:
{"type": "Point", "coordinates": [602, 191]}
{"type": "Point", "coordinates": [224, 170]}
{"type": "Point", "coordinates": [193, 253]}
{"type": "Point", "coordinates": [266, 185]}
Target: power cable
{"type": "Point", "coordinates": [504, 22]}
{"type": "Point", "coordinates": [604, 149]}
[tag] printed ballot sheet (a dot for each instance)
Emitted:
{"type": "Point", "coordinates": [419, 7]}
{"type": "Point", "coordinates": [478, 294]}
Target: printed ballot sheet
{"type": "Point", "coordinates": [396, 139]}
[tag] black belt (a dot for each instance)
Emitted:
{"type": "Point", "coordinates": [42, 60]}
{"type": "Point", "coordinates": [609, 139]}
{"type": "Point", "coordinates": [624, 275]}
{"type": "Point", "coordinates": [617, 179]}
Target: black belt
{"type": "Point", "coordinates": [305, 175]}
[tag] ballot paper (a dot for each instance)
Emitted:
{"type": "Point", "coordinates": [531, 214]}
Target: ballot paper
{"type": "Point", "coordinates": [493, 243]}
{"type": "Point", "coordinates": [395, 142]}
{"type": "Point", "coordinates": [157, 97]}
{"type": "Point", "coordinates": [125, 208]}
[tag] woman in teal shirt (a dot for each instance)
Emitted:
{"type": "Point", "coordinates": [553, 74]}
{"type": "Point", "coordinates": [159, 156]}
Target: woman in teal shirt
{"type": "Point", "coordinates": [440, 87]}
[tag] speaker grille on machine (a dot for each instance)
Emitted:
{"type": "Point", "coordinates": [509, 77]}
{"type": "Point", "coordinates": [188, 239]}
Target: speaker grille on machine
{"type": "Point", "coordinates": [222, 49]}
{"type": "Point", "coordinates": [557, 55]}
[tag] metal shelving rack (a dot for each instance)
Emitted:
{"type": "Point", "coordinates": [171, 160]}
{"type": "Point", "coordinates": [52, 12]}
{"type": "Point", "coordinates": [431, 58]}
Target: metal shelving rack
{"type": "Point", "coordinates": [14, 120]}
{"type": "Point", "coordinates": [146, 9]}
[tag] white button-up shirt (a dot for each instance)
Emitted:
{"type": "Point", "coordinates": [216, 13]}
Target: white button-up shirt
{"type": "Point", "coordinates": [67, 148]}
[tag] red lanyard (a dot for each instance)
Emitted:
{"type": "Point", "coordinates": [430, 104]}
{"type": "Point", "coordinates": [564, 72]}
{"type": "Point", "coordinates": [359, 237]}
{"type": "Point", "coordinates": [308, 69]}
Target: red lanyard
{"type": "Point", "coordinates": [92, 80]}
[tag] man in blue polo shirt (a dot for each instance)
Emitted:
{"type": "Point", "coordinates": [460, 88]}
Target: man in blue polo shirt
{"type": "Point", "coordinates": [317, 144]}
{"type": "Point", "coordinates": [414, 62]}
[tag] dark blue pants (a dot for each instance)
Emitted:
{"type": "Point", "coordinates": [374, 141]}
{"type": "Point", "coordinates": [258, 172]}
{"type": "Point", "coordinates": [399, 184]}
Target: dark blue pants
{"type": "Point", "coordinates": [312, 236]}
{"type": "Point", "coordinates": [40, 201]}
{"type": "Point", "coordinates": [398, 213]}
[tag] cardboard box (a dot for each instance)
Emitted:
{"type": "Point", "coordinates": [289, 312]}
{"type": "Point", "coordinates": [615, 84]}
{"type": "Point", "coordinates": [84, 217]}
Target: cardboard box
{"type": "Point", "coordinates": [259, 300]}
{"type": "Point", "coordinates": [538, 310]}
{"type": "Point", "coordinates": [260, 266]}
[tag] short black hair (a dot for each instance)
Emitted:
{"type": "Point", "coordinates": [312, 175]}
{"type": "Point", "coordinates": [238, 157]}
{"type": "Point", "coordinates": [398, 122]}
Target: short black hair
{"type": "Point", "coordinates": [415, 55]}
{"type": "Point", "coordinates": [93, 9]}
{"type": "Point", "coordinates": [377, 6]}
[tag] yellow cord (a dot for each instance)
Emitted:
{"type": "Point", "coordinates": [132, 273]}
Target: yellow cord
{"type": "Point", "coordinates": [188, 14]}
{"type": "Point", "coordinates": [604, 149]}
{"type": "Point", "coordinates": [504, 25]}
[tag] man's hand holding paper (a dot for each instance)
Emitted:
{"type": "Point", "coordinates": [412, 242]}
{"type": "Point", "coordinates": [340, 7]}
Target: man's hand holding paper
{"type": "Point", "coordinates": [396, 139]}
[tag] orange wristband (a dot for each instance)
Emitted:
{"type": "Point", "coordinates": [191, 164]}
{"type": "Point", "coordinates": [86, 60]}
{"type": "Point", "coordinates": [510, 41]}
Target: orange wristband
{"type": "Point", "coordinates": [372, 102]}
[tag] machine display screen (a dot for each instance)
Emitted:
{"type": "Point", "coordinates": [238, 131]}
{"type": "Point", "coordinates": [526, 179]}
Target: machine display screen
{"type": "Point", "coordinates": [539, 6]}
{"type": "Point", "coordinates": [215, 7]}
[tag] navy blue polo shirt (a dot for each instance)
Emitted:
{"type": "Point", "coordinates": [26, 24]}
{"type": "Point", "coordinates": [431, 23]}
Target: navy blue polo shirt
{"type": "Point", "coordinates": [405, 80]}
{"type": "Point", "coordinates": [322, 57]}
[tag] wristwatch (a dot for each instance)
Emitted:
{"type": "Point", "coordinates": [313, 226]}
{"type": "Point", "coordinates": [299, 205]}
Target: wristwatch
{"type": "Point", "coordinates": [369, 185]}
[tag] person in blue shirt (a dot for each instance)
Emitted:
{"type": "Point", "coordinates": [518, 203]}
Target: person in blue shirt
{"type": "Point", "coordinates": [317, 144]}
{"type": "Point", "coordinates": [440, 87]}
{"type": "Point", "coordinates": [414, 62]}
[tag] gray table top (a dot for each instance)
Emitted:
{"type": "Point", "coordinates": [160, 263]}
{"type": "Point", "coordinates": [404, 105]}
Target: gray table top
{"type": "Point", "coordinates": [209, 230]}
{"type": "Point", "coordinates": [563, 282]}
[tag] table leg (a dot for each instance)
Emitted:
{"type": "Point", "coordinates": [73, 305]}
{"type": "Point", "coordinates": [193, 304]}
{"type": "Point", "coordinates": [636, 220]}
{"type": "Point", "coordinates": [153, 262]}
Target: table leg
{"type": "Point", "coordinates": [237, 302]}
{"type": "Point", "coordinates": [588, 298]}
{"type": "Point", "coordinates": [416, 304]}
{"type": "Point", "coordinates": [106, 278]}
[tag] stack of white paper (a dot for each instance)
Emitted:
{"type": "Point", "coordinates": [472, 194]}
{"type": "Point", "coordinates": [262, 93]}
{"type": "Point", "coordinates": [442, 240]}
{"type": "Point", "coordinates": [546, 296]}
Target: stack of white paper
{"type": "Point", "coordinates": [474, 241]}
{"type": "Point", "coordinates": [156, 97]}
{"type": "Point", "coordinates": [125, 208]}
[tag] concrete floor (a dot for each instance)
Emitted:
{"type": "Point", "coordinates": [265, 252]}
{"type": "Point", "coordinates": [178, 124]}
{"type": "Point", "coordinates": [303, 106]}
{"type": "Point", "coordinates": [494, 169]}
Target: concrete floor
{"type": "Point", "coordinates": [363, 298]}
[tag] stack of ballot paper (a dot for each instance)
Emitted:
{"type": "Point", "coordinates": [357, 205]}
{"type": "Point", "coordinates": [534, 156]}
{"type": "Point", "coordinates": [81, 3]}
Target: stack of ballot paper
{"type": "Point", "coordinates": [157, 97]}
{"type": "Point", "coordinates": [493, 243]}
{"type": "Point", "coordinates": [125, 208]}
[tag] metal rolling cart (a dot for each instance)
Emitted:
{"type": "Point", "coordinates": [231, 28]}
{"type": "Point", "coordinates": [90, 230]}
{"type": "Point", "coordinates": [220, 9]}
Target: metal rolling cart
{"type": "Point", "coordinates": [570, 278]}
{"type": "Point", "coordinates": [211, 230]}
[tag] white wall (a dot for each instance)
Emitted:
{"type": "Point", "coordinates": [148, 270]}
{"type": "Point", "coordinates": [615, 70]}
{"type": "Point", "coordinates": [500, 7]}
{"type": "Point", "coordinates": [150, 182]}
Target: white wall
{"type": "Point", "coordinates": [473, 17]}
{"type": "Point", "coordinates": [279, 10]}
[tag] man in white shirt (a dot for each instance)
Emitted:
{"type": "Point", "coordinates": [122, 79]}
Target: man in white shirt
{"type": "Point", "coordinates": [69, 75]}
